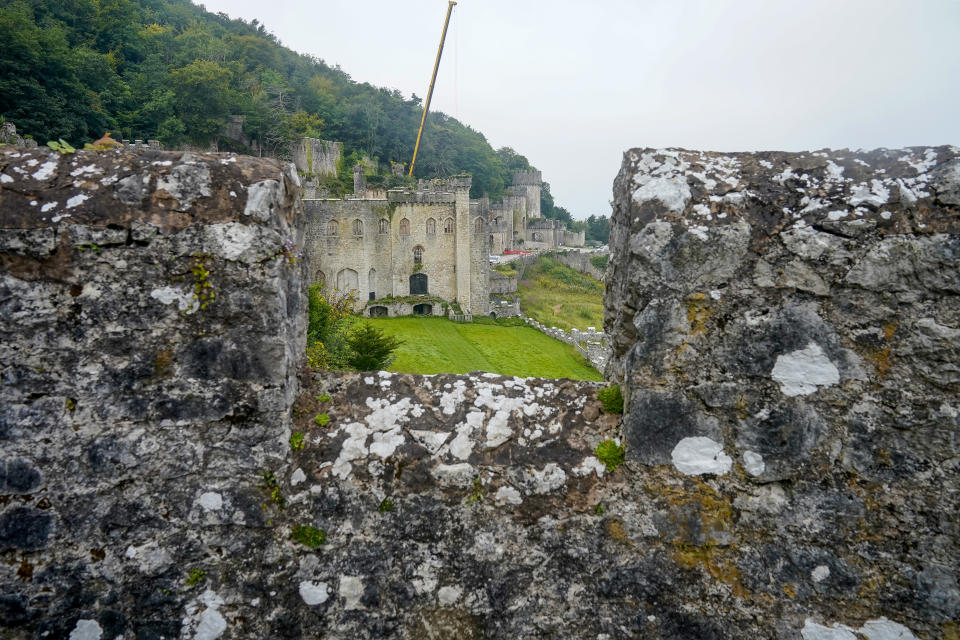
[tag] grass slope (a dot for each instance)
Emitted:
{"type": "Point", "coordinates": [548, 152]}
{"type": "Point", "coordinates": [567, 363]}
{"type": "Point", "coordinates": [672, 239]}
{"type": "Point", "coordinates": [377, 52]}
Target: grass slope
{"type": "Point", "coordinates": [557, 296]}
{"type": "Point", "coordinates": [437, 345]}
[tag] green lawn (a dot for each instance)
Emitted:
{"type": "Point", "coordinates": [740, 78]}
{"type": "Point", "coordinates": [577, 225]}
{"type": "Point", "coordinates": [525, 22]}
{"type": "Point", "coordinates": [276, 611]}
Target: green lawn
{"type": "Point", "coordinates": [437, 345]}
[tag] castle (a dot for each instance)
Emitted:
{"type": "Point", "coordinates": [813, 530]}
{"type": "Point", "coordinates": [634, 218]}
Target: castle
{"type": "Point", "coordinates": [424, 250]}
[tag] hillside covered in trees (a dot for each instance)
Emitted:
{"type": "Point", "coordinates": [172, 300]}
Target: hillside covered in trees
{"type": "Point", "coordinates": [170, 70]}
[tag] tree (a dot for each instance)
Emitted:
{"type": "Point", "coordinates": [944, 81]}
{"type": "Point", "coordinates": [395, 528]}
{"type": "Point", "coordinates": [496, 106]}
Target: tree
{"type": "Point", "coordinates": [371, 348]}
{"type": "Point", "coordinates": [201, 98]}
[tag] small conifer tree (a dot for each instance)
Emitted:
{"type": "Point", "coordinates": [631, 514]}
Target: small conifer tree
{"type": "Point", "coordinates": [371, 349]}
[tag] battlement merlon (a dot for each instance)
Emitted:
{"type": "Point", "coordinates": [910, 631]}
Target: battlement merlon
{"type": "Point", "coordinates": [401, 196]}
{"type": "Point", "coordinates": [527, 178]}
{"type": "Point", "coordinates": [459, 182]}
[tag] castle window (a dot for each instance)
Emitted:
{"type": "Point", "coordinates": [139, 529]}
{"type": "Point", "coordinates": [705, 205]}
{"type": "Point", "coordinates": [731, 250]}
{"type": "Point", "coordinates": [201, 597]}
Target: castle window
{"type": "Point", "coordinates": [404, 227]}
{"type": "Point", "coordinates": [431, 226]}
{"type": "Point", "coordinates": [478, 225]}
{"type": "Point", "coordinates": [333, 229]}
{"type": "Point", "coordinates": [418, 255]}
{"type": "Point", "coordinates": [448, 225]}
{"type": "Point", "coordinates": [358, 227]}
{"type": "Point", "coordinates": [384, 226]}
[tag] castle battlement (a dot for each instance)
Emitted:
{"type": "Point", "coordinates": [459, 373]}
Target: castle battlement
{"type": "Point", "coordinates": [527, 178]}
{"type": "Point", "coordinates": [402, 196]}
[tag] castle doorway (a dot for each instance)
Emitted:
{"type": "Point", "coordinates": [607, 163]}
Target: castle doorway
{"type": "Point", "coordinates": [418, 284]}
{"type": "Point", "coordinates": [423, 309]}
{"type": "Point", "coordinates": [378, 312]}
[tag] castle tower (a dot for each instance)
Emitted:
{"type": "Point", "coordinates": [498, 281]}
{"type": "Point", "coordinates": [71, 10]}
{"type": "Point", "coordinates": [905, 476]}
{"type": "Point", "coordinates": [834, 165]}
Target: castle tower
{"type": "Point", "coordinates": [529, 184]}
{"type": "Point", "coordinates": [464, 241]}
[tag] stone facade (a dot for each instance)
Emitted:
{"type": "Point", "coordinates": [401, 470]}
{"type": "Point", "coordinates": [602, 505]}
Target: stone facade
{"type": "Point", "coordinates": [422, 242]}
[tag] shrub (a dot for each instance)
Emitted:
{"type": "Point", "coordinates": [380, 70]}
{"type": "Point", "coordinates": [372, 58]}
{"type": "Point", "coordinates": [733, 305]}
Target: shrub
{"type": "Point", "coordinates": [611, 398]}
{"type": "Point", "coordinates": [328, 323]}
{"type": "Point", "coordinates": [610, 454]}
{"type": "Point", "coordinates": [309, 536]}
{"type": "Point", "coordinates": [371, 349]}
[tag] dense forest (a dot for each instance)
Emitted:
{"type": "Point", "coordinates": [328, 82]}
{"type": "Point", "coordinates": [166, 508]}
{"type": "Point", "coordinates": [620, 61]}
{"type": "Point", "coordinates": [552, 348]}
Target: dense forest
{"type": "Point", "coordinates": [169, 70]}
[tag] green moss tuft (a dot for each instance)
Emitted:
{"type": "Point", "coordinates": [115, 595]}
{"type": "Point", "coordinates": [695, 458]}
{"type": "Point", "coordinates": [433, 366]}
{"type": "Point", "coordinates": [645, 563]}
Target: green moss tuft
{"type": "Point", "coordinates": [324, 398]}
{"type": "Point", "coordinates": [296, 440]}
{"type": "Point", "coordinates": [385, 505]}
{"type": "Point", "coordinates": [309, 536]}
{"type": "Point", "coordinates": [612, 399]}
{"type": "Point", "coordinates": [610, 453]}
{"type": "Point", "coordinates": [322, 419]}
{"type": "Point", "coordinates": [195, 577]}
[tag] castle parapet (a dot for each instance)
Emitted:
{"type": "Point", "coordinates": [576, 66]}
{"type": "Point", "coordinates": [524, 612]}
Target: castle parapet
{"type": "Point", "coordinates": [527, 178]}
{"type": "Point", "coordinates": [402, 196]}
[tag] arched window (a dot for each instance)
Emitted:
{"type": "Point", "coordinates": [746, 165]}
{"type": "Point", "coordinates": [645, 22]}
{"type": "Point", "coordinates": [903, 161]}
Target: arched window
{"type": "Point", "coordinates": [404, 227]}
{"type": "Point", "coordinates": [348, 280]}
{"type": "Point", "coordinates": [418, 255]}
{"type": "Point", "coordinates": [431, 226]}
{"type": "Point", "coordinates": [333, 229]}
{"type": "Point", "coordinates": [358, 227]}
{"type": "Point", "coordinates": [384, 225]}
{"type": "Point", "coordinates": [478, 225]}
{"type": "Point", "coordinates": [448, 225]}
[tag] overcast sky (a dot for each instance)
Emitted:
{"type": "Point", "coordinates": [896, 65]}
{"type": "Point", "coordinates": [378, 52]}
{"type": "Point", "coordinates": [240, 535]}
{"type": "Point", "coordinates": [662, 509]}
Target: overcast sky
{"type": "Point", "coordinates": [573, 84]}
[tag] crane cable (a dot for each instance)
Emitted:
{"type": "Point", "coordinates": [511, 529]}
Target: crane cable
{"type": "Point", "coordinates": [433, 79]}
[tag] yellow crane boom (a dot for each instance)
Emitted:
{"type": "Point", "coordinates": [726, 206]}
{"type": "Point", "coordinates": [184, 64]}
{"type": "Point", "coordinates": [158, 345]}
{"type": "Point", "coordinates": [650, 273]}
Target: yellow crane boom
{"type": "Point", "coordinates": [433, 79]}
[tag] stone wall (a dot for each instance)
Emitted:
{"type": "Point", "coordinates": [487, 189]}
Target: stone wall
{"type": "Point", "coordinates": [580, 261]}
{"type": "Point", "coordinates": [152, 318]}
{"type": "Point", "coordinates": [787, 330]}
{"type": "Point", "coordinates": [317, 157]}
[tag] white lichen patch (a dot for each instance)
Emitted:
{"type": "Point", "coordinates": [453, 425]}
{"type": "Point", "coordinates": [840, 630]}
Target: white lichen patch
{"type": "Point", "coordinates": [5, 179]}
{"type": "Point", "coordinates": [206, 623]}
{"type": "Point", "coordinates": [46, 170]}
{"type": "Point", "coordinates": [548, 479]}
{"type": "Point", "coordinates": [589, 465]}
{"type": "Point", "coordinates": [507, 495]}
{"type": "Point", "coordinates": [77, 200]}
{"type": "Point", "coordinates": [262, 199]}
{"type": "Point", "coordinates": [48, 206]}
{"type": "Point", "coordinates": [314, 593]}
{"type": "Point", "coordinates": [430, 440]}
{"type": "Point", "coordinates": [233, 240]}
{"type": "Point", "coordinates": [297, 477]}
{"type": "Point", "coordinates": [459, 475]}
{"type": "Point", "coordinates": [86, 170]}
{"type": "Point", "coordinates": [883, 629]}
{"type": "Point", "coordinates": [86, 630]}
{"type": "Point", "coordinates": [185, 300]}
{"type": "Point", "coordinates": [211, 501]}
{"type": "Point", "coordinates": [876, 194]}
{"type": "Point", "coordinates": [820, 573]}
{"type": "Point", "coordinates": [802, 372]}
{"type": "Point", "coordinates": [351, 590]}
{"type": "Point", "coordinates": [449, 595]}
{"type": "Point", "coordinates": [753, 463]}
{"type": "Point", "coordinates": [813, 631]}
{"type": "Point", "coordinates": [700, 455]}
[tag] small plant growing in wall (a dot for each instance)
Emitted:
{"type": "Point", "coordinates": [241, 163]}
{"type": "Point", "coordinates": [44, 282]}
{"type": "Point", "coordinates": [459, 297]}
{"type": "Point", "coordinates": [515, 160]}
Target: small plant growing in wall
{"type": "Point", "coordinates": [271, 487]}
{"type": "Point", "coordinates": [322, 420]}
{"type": "Point", "coordinates": [385, 505]}
{"type": "Point", "coordinates": [476, 491]}
{"type": "Point", "coordinates": [203, 291]}
{"type": "Point", "coordinates": [610, 454]}
{"type": "Point", "coordinates": [324, 398]}
{"type": "Point", "coordinates": [309, 536]}
{"type": "Point", "coordinates": [611, 398]}
{"type": "Point", "coordinates": [296, 440]}
{"type": "Point", "coordinates": [195, 577]}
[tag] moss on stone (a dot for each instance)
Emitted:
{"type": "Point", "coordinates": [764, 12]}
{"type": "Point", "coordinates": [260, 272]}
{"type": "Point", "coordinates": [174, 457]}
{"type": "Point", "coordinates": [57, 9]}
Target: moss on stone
{"type": "Point", "coordinates": [308, 536]}
{"type": "Point", "coordinates": [610, 454]}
